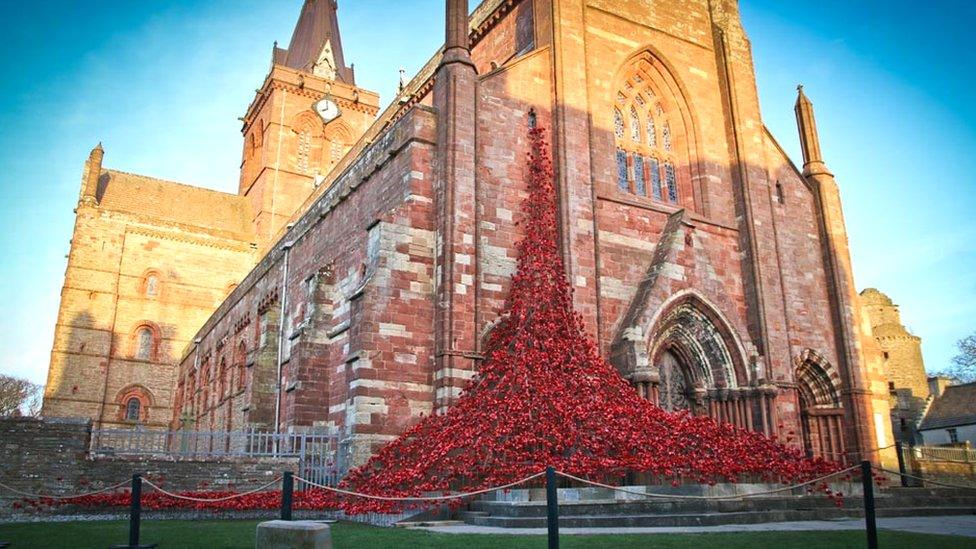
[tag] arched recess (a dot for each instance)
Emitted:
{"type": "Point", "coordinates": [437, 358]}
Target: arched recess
{"type": "Point", "coordinates": [145, 342]}
{"type": "Point", "coordinates": [821, 410]}
{"type": "Point", "coordinates": [134, 404]}
{"type": "Point", "coordinates": [307, 127]}
{"type": "Point", "coordinates": [695, 362]}
{"type": "Point", "coordinates": [656, 140]}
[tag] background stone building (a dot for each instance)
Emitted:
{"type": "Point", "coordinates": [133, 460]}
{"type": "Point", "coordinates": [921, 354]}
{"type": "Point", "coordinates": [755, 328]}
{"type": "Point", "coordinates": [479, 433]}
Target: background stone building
{"type": "Point", "coordinates": [904, 369]}
{"type": "Point", "coordinates": [712, 271]}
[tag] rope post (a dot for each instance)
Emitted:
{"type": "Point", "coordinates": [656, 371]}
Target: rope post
{"type": "Point", "coordinates": [867, 481]}
{"type": "Point", "coordinates": [135, 515]}
{"type": "Point", "coordinates": [552, 507]}
{"type": "Point", "coordinates": [902, 471]}
{"type": "Point", "coordinates": [287, 489]}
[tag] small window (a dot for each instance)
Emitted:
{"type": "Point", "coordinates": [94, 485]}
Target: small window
{"type": "Point", "coordinates": [779, 193]}
{"type": "Point", "coordinates": [891, 386]}
{"type": "Point", "coordinates": [132, 409]}
{"type": "Point", "coordinates": [666, 136]}
{"type": "Point", "coordinates": [144, 342]}
{"type": "Point", "coordinates": [651, 132]}
{"type": "Point", "coordinates": [152, 285]}
{"type": "Point", "coordinates": [953, 436]}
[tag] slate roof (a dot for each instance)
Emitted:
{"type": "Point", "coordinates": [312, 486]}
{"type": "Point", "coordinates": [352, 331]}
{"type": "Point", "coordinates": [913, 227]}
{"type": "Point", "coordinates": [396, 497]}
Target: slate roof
{"type": "Point", "coordinates": [956, 406]}
{"type": "Point", "coordinates": [175, 202]}
{"type": "Point", "coordinates": [317, 25]}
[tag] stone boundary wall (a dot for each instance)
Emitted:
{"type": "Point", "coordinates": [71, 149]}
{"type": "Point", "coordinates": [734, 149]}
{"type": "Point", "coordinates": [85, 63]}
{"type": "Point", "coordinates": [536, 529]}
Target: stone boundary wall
{"type": "Point", "coordinates": [50, 456]}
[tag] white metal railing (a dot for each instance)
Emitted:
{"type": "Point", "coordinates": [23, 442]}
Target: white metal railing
{"type": "Point", "coordinates": [945, 453]}
{"type": "Point", "coordinates": [317, 453]}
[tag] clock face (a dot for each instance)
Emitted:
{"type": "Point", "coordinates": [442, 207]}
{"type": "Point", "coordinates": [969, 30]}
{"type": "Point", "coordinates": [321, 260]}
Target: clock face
{"type": "Point", "coordinates": [327, 110]}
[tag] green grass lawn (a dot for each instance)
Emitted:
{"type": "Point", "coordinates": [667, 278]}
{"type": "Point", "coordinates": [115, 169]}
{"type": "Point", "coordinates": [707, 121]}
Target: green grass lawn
{"type": "Point", "coordinates": [229, 533]}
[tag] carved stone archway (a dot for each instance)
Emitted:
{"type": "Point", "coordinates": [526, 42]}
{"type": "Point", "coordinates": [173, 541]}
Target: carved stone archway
{"type": "Point", "coordinates": [822, 422]}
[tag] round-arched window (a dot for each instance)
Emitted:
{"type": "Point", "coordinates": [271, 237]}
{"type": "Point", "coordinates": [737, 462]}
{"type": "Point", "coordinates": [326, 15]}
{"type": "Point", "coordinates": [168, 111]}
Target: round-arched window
{"type": "Point", "coordinates": [133, 407]}
{"type": "Point", "coordinates": [152, 285]}
{"type": "Point", "coordinates": [144, 343]}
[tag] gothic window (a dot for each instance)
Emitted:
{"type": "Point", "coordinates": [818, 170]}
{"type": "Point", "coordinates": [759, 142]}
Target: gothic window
{"type": "Point", "coordinates": [639, 186]}
{"type": "Point", "coordinates": [304, 148]}
{"type": "Point", "coordinates": [144, 343]}
{"type": "Point", "coordinates": [622, 171]}
{"type": "Point", "coordinates": [241, 366]}
{"type": "Point", "coordinates": [132, 409]}
{"type": "Point", "coordinates": [644, 159]}
{"type": "Point", "coordinates": [672, 182]}
{"type": "Point", "coordinates": [655, 171]}
{"type": "Point", "coordinates": [779, 193]}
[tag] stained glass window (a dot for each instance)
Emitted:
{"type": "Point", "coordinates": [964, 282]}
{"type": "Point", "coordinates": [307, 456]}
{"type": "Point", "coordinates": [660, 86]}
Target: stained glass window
{"type": "Point", "coordinates": [671, 181]}
{"type": "Point", "coordinates": [639, 100]}
{"type": "Point", "coordinates": [638, 79]}
{"type": "Point", "coordinates": [639, 187]}
{"type": "Point", "coordinates": [634, 125]}
{"type": "Point", "coordinates": [621, 97]}
{"type": "Point", "coordinates": [655, 171]}
{"type": "Point", "coordinates": [622, 170]}
{"type": "Point", "coordinates": [666, 136]}
{"type": "Point", "coordinates": [651, 131]}
{"type": "Point", "coordinates": [618, 123]}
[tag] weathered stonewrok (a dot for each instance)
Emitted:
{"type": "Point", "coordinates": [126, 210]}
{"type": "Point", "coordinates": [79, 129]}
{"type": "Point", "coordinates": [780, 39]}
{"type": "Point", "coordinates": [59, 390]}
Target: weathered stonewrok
{"type": "Point", "coordinates": [367, 257]}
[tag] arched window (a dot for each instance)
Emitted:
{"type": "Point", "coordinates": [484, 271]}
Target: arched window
{"type": "Point", "coordinates": [241, 365]}
{"type": "Point", "coordinates": [645, 157]}
{"type": "Point", "coordinates": [144, 343]}
{"type": "Point", "coordinates": [133, 407]}
{"type": "Point", "coordinates": [152, 285]}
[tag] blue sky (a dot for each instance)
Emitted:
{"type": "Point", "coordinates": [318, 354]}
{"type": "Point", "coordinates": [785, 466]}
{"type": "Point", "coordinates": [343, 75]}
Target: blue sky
{"type": "Point", "coordinates": [162, 85]}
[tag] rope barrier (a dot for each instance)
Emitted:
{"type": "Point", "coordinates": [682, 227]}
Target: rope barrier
{"type": "Point", "coordinates": [209, 500]}
{"type": "Point", "coordinates": [947, 485]}
{"type": "Point", "coordinates": [420, 498]}
{"type": "Point", "coordinates": [730, 497]}
{"type": "Point", "coordinates": [76, 496]}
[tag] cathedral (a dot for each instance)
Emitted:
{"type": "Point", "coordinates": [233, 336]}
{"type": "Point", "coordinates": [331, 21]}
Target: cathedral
{"type": "Point", "coordinates": [349, 284]}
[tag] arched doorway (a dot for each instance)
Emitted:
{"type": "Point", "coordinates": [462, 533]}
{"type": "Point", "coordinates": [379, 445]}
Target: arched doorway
{"type": "Point", "coordinates": [821, 411]}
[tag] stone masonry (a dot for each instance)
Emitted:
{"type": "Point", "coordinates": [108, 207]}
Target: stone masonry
{"type": "Point", "coordinates": [376, 254]}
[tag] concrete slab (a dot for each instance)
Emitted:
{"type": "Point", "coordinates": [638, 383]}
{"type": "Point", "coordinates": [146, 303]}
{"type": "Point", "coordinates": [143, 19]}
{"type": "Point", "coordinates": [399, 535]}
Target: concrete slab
{"type": "Point", "coordinates": [293, 534]}
{"type": "Point", "coordinates": [952, 525]}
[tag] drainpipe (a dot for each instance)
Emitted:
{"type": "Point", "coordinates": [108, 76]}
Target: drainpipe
{"type": "Point", "coordinates": [281, 340]}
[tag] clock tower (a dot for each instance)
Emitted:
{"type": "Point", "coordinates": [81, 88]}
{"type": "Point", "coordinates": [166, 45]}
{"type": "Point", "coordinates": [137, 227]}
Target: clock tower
{"type": "Point", "coordinates": [303, 120]}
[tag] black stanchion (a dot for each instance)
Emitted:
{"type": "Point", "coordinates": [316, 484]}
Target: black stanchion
{"type": "Point", "coordinates": [287, 490]}
{"type": "Point", "coordinates": [899, 448]}
{"type": "Point", "coordinates": [135, 516]}
{"type": "Point", "coordinates": [552, 506]}
{"type": "Point", "coordinates": [867, 481]}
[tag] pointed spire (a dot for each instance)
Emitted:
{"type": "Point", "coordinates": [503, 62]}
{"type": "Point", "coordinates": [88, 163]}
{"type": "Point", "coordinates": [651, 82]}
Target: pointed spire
{"type": "Point", "coordinates": [809, 139]}
{"type": "Point", "coordinates": [93, 170]}
{"type": "Point", "coordinates": [456, 44]}
{"type": "Point", "coordinates": [316, 46]}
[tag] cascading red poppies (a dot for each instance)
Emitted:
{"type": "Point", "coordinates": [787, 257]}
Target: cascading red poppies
{"type": "Point", "coordinates": [544, 396]}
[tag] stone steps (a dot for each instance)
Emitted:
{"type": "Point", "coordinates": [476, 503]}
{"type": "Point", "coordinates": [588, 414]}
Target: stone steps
{"type": "Point", "coordinates": [677, 513]}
